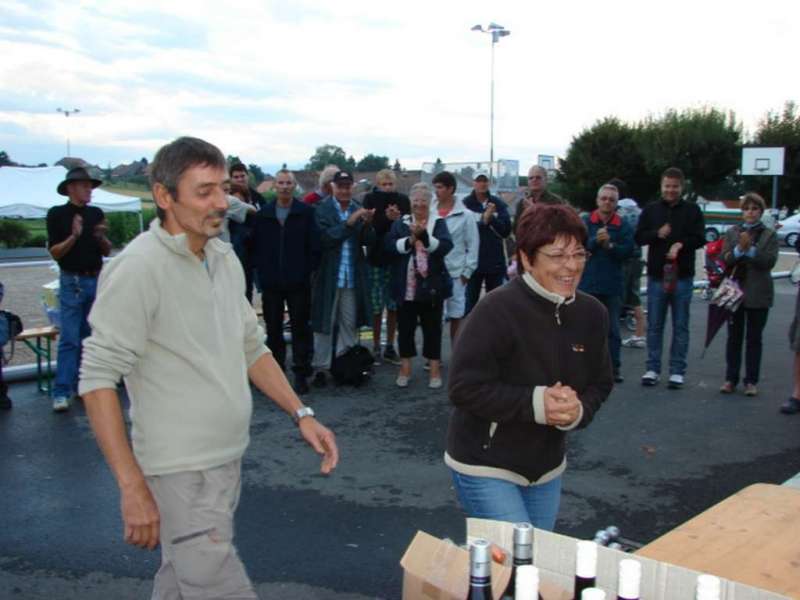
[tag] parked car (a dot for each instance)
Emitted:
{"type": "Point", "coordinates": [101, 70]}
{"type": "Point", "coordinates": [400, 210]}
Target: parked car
{"type": "Point", "coordinates": [789, 230]}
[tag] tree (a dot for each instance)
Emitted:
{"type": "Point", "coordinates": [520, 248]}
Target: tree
{"type": "Point", "coordinates": [373, 162]}
{"type": "Point", "coordinates": [329, 155]}
{"type": "Point", "coordinates": [396, 167]}
{"type": "Point", "coordinates": [781, 130]}
{"type": "Point", "coordinates": [233, 160]}
{"type": "Point", "coordinates": [256, 174]}
{"type": "Point", "coordinates": [704, 143]}
{"type": "Point", "coordinates": [605, 150]}
{"type": "Point", "coordinates": [5, 160]}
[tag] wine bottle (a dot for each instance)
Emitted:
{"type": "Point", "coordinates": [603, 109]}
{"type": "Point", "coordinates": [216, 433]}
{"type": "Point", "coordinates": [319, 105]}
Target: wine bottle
{"type": "Point", "coordinates": [523, 553]}
{"type": "Point", "coordinates": [527, 583]}
{"type": "Point", "coordinates": [593, 593]}
{"type": "Point", "coordinates": [480, 570]}
{"type": "Point", "coordinates": [585, 567]}
{"type": "Point", "coordinates": [709, 587]}
{"type": "Point", "coordinates": [629, 580]}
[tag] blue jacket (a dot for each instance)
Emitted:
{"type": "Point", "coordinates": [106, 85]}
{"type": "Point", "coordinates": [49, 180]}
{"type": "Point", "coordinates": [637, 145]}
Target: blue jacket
{"type": "Point", "coordinates": [439, 244]}
{"type": "Point", "coordinates": [491, 255]}
{"type": "Point", "coordinates": [603, 273]}
{"type": "Point", "coordinates": [286, 255]}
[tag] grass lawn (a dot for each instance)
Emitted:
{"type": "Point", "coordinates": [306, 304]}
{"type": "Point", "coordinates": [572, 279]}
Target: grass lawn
{"type": "Point", "coordinates": [130, 190]}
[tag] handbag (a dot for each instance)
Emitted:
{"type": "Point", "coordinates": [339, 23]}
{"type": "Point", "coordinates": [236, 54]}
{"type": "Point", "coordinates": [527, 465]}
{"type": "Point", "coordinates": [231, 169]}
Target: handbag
{"type": "Point", "coordinates": [729, 294]}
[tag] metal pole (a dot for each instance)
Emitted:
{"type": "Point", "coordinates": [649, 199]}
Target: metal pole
{"type": "Point", "coordinates": [774, 191]}
{"type": "Point", "coordinates": [491, 118]}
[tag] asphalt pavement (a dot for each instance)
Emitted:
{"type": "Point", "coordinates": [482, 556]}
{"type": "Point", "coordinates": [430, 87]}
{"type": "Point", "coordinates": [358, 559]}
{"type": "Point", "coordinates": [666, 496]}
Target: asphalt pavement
{"type": "Point", "coordinates": [651, 459]}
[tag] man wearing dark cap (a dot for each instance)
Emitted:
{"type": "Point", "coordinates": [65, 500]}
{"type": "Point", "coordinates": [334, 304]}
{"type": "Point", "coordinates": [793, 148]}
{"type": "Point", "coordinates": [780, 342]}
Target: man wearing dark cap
{"type": "Point", "coordinates": [76, 234]}
{"type": "Point", "coordinates": [340, 299]}
{"type": "Point", "coordinates": [494, 226]}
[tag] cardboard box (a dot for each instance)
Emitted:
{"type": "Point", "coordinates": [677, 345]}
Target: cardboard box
{"type": "Point", "coordinates": [439, 570]}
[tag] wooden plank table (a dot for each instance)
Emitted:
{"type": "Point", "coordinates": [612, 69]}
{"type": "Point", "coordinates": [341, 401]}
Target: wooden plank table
{"type": "Point", "coordinates": [752, 537]}
{"type": "Point", "coordinates": [39, 340]}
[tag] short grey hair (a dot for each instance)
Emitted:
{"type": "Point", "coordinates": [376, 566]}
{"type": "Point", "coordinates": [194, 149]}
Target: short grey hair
{"type": "Point", "coordinates": [608, 186]}
{"type": "Point", "coordinates": [326, 176]}
{"type": "Point", "coordinates": [177, 157]}
{"type": "Point", "coordinates": [421, 188]}
{"type": "Point", "coordinates": [284, 172]}
{"type": "Point", "coordinates": [538, 168]}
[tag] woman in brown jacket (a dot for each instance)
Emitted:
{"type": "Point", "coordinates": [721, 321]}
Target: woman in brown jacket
{"type": "Point", "coordinates": [750, 250]}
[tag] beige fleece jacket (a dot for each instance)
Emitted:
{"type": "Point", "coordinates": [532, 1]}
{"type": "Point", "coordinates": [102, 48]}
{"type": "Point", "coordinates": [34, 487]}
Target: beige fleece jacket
{"type": "Point", "coordinates": [182, 335]}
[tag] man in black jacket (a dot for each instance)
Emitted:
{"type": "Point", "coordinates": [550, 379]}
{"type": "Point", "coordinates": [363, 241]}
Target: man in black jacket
{"type": "Point", "coordinates": [494, 226]}
{"type": "Point", "coordinates": [389, 205]}
{"type": "Point", "coordinates": [286, 252]}
{"type": "Point", "coordinates": [673, 230]}
{"type": "Point", "coordinates": [242, 233]}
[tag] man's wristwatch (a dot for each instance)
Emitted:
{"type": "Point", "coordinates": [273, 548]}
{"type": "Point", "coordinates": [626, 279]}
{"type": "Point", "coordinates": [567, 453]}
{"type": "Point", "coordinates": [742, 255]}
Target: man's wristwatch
{"type": "Point", "coordinates": [306, 411]}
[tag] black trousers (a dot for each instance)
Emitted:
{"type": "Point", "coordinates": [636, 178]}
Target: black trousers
{"type": "Point", "coordinates": [429, 316]}
{"type": "Point", "coordinates": [298, 302]}
{"type": "Point", "coordinates": [492, 280]}
{"type": "Point", "coordinates": [753, 321]}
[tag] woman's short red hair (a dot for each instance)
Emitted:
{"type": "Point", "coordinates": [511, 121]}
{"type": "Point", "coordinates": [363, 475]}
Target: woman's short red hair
{"type": "Point", "coordinates": [541, 224]}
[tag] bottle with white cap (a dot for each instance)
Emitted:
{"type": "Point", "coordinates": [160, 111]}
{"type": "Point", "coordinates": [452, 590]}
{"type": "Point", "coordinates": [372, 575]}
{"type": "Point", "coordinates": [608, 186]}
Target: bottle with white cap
{"type": "Point", "coordinates": [629, 580]}
{"type": "Point", "coordinates": [593, 593]}
{"type": "Point", "coordinates": [527, 583]}
{"type": "Point", "coordinates": [709, 587]}
{"type": "Point", "coordinates": [585, 567]}
{"type": "Point", "coordinates": [480, 570]}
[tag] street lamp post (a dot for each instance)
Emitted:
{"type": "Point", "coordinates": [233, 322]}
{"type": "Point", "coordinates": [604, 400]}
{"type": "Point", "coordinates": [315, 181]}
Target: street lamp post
{"type": "Point", "coordinates": [497, 32]}
{"type": "Point", "coordinates": [67, 113]}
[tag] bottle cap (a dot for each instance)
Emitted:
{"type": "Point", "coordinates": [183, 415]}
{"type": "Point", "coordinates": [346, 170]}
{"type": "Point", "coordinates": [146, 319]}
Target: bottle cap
{"type": "Point", "coordinates": [480, 557]}
{"type": "Point", "coordinates": [615, 546]}
{"type": "Point", "coordinates": [593, 594]}
{"type": "Point", "coordinates": [586, 559]}
{"type": "Point", "coordinates": [630, 578]}
{"type": "Point", "coordinates": [526, 583]}
{"type": "Point", "coordinates": [613, 531]}
{"type": "Point", "coordinates": [523, 533]}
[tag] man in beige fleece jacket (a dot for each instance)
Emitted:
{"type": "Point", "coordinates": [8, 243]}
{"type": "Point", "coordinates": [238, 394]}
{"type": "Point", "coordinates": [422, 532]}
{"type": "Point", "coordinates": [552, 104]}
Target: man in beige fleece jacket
{"type": "Point", "coordinates": [171, 319]}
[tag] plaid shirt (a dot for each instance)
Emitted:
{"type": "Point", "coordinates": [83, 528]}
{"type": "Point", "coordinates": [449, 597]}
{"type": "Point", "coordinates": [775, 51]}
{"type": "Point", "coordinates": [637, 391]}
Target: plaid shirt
{"type": "Point", "coordinates": [347, 264]}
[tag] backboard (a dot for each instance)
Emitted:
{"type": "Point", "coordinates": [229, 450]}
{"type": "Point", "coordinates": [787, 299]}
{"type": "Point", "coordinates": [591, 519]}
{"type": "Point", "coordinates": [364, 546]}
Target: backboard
{"type": "Point", "coordinates": [762, 161]}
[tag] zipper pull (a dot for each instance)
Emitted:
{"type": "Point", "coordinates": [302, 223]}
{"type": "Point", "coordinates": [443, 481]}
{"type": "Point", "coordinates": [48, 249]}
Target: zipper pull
{"type": "Point", "coordinates": [558, 316]}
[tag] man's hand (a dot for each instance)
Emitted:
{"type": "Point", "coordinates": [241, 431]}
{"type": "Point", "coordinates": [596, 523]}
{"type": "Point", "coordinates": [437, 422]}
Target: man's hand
{"type": "Point", "coordinates": [602, 236]}
{"type": "Point", "coordinates": [355, 216]}
{"type": "Point", "coordinates": [77, 225]}
{"type": "Point", "coordinates": [322, 440]}
{"type": "Point", "coordinates": [561, 405]}
{"type": "Point", "coordinates": [745, 241]}
{"type": "Point", "coordinates": [140, 515]}
{"type": "Point", "coordinates": [100, 229]}
{"type": "Point", "coordinates": [489, 212]}
{"type": "Point", "coordinates": [392, 212]}
{"type": "Point", "coordinates": [673, 250]}
{"type": "Point", "coordinates": [664, 231]}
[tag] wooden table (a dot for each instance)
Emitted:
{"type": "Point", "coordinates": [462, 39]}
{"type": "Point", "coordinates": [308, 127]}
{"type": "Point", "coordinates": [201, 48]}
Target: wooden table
{"type": "Point", "coordinates": [39, 340]}
{"type": "Point", "coordinates": [752, 537]}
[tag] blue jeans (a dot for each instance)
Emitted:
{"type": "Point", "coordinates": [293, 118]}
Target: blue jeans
{"type": "Point", "coordinates": [75, 296]}
{"type": "Point", "coordinates": [613, 305]}
{"type": "Point", "coordinates": [489, 498]}
{"type": "Point", "coordinates": [657, 303]}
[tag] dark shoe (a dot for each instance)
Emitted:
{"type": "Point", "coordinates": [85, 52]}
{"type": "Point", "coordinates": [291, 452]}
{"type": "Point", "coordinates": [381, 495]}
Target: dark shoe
{"type": "Point", "coordinates": [300, 385]}
{"type": "Point", "coordinates": [390, 355]}
{"type": "Point", "coordinates": [376, 357]}
{"type": "Point", "coordinates": [319, 380]}
{"type": "Point", "coordinates": [618, 378]}
{"type": "Point", "coordinates": [791, 406]}
{"type": "Point", "coordinates": [5, 402]}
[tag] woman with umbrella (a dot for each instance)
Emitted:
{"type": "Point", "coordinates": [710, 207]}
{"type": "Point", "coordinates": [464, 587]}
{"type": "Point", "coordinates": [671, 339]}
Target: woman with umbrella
{"type": "Point", "coordinates": [750, 251]}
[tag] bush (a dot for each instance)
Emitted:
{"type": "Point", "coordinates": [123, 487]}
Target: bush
{"type": "Point", "coordinates": [13, 233]}
{"type": "Point", "coordinates": [122, 228]}
{"type": "Point", "coordinates": [37, 241]}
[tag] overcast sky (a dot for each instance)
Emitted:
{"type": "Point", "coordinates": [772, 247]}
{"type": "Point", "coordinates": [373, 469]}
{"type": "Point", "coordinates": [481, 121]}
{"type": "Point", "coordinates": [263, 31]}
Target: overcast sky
{"type": "Point", "coordinates": [271, 81]}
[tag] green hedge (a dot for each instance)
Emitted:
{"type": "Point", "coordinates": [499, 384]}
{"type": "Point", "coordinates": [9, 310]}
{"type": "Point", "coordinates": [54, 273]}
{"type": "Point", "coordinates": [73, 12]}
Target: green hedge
{"type": "Point", "coordinates": [13, 233]}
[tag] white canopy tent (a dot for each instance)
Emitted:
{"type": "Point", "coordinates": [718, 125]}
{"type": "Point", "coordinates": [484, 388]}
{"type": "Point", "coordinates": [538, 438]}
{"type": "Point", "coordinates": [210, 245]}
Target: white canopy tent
{"type": "Point", "coordinates": [30, 193]}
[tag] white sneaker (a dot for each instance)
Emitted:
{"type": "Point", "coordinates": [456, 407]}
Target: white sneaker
{"type": "Point", "coordinates": [650, 378]}
{"type": "Point", "coordinates": [675, 382]}
{"type": "Point", "coordinates": [402, 381]}
{"type": "Point", "coordinates": [634, 342]}
{"type": "Point", "coordinates": [435, 383]}
{"type": "Point", "coordinates": [60, 404]}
